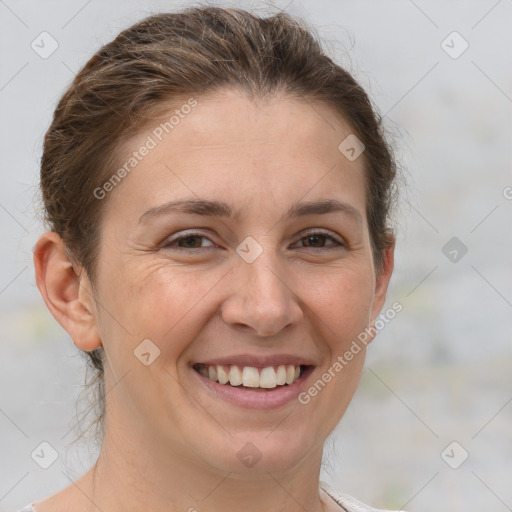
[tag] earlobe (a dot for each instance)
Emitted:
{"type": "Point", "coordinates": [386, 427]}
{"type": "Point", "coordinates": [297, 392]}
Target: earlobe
{"type": "Point", "coordinates": [63, 291]}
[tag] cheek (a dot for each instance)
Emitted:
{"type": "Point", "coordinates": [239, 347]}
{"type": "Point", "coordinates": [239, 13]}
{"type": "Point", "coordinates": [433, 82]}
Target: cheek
{"type": "Point", "coordinates": [342, 303]}
{"type": "Point", "coordinates": [165, 304]}
{"type": "Point", "coordinates": [340, 306]}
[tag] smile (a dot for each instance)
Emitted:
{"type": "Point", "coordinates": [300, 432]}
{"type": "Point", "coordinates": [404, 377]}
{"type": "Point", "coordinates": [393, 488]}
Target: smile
{"type": "Point", "coordinates": [255, 381]}
{"type": "Point", "coordinates": [269, 377]}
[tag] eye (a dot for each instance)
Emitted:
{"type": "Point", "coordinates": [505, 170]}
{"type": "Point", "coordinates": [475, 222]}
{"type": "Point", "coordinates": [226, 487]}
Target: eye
{"type": "Point", "coordinates": [192, 241]}
{"type": "Point", "coordinates": [186, 241]}
{"type": "Point", "coordinates": [316, 241]}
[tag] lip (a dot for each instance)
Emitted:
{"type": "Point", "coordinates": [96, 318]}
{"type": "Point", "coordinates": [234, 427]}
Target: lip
{"type": "Point", "coordinates": [250, 399]}
{"type": "Point", "coordinates": [259, 361]}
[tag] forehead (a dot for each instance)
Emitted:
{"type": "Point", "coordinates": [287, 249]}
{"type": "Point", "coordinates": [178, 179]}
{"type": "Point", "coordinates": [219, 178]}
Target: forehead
{"type": "Point", "coordinates": [242, 151]}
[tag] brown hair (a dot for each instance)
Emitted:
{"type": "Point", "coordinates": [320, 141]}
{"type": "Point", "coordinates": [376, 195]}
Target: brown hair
{"type": "Point", "coordinates": [136, 77]}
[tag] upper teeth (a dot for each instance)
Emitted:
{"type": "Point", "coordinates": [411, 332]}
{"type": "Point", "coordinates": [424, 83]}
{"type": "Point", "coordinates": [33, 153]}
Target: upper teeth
{"type": "Point", "coordinates": [249, 376]}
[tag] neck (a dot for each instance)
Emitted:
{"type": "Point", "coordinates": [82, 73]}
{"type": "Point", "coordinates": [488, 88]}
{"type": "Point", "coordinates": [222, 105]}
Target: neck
{"type": "Point", "coordinates": [132, 474]}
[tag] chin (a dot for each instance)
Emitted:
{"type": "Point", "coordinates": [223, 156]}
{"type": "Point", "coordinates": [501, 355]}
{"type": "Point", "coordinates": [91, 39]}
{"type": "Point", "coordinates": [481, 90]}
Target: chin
{"type": "Point", "coordinates": [253, 452]}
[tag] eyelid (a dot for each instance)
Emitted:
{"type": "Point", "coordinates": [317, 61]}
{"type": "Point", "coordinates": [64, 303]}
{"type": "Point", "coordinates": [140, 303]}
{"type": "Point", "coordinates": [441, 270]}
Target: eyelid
{"type": "Point", "coordinates": [320, 231]}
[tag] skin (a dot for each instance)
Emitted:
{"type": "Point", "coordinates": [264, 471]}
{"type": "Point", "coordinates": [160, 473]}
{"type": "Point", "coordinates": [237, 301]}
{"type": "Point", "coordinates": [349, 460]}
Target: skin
{"type": "Point", "coordinates": [170, 445]}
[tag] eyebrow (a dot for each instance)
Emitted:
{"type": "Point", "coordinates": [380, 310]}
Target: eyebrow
{"type": "Point", "coordinates": [221, 209]}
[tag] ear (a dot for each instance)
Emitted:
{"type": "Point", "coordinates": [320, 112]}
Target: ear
{"type": "Point", "coordinates": [67, 294]}
{"type": "Point", "coordinates": [382, 278]}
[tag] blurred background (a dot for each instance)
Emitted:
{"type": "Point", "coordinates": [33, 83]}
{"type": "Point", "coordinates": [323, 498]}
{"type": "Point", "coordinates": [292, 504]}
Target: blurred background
{"type": "Point", "coordinates": [430, 425]}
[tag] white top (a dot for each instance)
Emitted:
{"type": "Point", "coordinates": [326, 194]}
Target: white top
{"type": "Point", "coordinates": [347, 503]}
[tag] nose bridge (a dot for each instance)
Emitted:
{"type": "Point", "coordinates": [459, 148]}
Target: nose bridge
{"type": "Point", "coordinates": [265, 274]}
{"type": "Point", "coordinates": [261, 299]}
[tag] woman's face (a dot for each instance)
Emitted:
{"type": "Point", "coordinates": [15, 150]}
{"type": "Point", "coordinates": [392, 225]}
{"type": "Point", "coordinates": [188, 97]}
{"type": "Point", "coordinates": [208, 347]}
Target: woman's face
{"type": "Point", "coordinates": [257, 277]}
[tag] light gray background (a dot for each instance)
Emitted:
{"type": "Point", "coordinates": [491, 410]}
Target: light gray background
{"type": "Point", "coordinates": [439, 372]}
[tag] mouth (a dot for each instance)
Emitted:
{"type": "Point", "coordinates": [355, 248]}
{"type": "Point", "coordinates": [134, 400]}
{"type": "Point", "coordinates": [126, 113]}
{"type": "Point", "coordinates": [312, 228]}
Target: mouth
{"type": "Point", "coordinates": [251, 377]}
{"type": "Point", "coordinates": [252, 387]}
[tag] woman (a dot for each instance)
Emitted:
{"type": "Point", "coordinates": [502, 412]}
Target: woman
{"type": "Point", "coordinates": [217, 193]}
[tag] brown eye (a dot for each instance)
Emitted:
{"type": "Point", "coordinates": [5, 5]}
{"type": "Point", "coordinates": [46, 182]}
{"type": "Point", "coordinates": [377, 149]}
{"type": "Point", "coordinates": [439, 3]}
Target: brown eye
{"type": "Point", "coordinates": [187, 241]}
{"type": "Point", "coordinates": [190, 241]}
{"type": "Point", "coordinates": [318, 241]}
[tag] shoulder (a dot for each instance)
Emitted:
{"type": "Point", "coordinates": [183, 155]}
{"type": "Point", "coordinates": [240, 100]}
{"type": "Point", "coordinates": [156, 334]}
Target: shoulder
{"type": "Point", "coordinates": [348, 503]}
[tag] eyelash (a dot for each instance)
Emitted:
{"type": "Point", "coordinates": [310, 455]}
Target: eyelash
{"type": "Point", "coordinates": [170, 243]}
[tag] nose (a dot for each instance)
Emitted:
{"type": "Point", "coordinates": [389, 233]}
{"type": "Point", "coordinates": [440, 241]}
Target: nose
{"type": "Point", "coordinates": [262, 300]}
